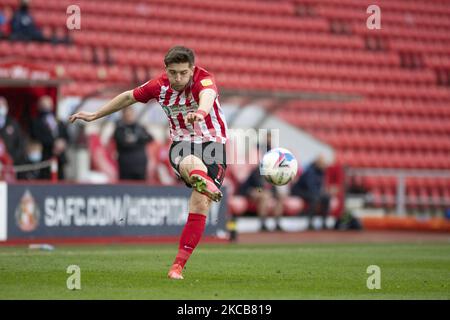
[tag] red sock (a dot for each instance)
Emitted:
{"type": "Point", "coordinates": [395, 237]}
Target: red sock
{"type": "Point", "coordinates": [190, 237]}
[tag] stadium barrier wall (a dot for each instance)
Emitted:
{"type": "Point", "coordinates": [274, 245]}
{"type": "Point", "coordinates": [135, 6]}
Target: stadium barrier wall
{"type": "Point", "coordinates": [63, 211]}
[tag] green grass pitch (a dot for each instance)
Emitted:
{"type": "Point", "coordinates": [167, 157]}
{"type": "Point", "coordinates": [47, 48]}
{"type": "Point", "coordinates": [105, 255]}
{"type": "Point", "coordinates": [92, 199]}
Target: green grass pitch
{"type": "Point", "coordinates": [226, 271]}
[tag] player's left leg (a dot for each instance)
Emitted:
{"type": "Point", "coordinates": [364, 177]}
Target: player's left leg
{"type": "Point", "coordinates": [199, 205]}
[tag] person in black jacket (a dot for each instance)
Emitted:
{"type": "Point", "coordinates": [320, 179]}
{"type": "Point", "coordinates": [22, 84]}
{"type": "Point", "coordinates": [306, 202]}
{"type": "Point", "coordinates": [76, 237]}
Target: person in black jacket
{"type": "Point", "coordinates": [311, 188]}
{"type": "Point", "coordinates": [23, 27]}
{"type": "Point", "coordinates": [11, 134]}
{"type": "Point", "coordinates": [131, 141]}
{"type": "Point", "coordinates": [52, 134]}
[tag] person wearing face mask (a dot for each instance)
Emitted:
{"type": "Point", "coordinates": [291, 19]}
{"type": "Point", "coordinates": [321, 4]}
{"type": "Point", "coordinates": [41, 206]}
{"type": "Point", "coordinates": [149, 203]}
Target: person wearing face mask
{"type": "Point", "coordinates": [33, 156]}
{"type": "Point", "coordinates": [11, 134]}
{"type": "Point", "coordinates": [52, 134]}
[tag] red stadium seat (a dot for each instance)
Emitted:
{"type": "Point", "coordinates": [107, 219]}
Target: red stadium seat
{"type": "Point", "coordinates": [292, 206]}
{"type": "Point", "coordinates": [238, 205]}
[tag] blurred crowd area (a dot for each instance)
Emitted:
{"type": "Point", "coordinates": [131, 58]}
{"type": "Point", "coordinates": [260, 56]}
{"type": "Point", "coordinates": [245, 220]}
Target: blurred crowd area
{"type": "Point", "coordinates": [130, 153]}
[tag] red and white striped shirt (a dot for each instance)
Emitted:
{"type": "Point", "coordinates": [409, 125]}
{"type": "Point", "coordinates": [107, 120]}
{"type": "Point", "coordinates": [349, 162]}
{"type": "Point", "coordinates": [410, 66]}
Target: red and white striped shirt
{"type": "Point", "coordinates": [177, 104]}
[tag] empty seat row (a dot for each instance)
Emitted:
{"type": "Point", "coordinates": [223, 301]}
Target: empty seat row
{"type": "Point", "coordinates": [414, 199]}
{"type": "Point", "coordinates": [84, 88]}
{"type": "Point", "coordinates": [167, 28]}
{"type": "Point", "coordinates": [239, 49]}
{"type": "Point", "coordinates": [373, 106]}
{"type": "Point", "coordinates": [204, 47]}
{"type": "Point", "coordinates": [357, 121]}
{"type": "Point", "coordinates": [255, 7]}
{"type": "Point", "coordinates": [417, 20]}
{"type": "Point", "coordinates": [388, 142]}
{"type": "Point", "coordinates": [417, 160]}
{"type": "Point", "coordinates": [166, 11]}
{"type": "Point", "coordinates": [437, 8]}
{"type": "Point", "coordinates": [393, 33]}
{"type": "Point", "coordinates": [141, 7]}
{"type": "Point", "coordinates": [420, 47]}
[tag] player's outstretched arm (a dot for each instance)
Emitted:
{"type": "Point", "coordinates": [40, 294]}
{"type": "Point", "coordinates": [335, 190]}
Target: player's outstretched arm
{"type": "Point", "coordinates": [121, 101]}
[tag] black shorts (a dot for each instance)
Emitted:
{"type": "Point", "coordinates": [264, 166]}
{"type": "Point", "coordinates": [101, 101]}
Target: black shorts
{"type": "Point", "coordinates": [212, 154]}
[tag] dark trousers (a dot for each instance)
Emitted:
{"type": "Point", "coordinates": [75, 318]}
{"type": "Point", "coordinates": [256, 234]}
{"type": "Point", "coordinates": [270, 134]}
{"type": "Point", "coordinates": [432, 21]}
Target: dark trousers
{"type": "Point", "coordinates": [126, 175]}
{"type": "Point", "coordinates": [318, 204]}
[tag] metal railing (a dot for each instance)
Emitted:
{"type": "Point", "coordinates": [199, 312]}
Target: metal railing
{"type": "Point", "coordinates": [401, 176]}
{"type": "Point", "coordinates": [11, 171]}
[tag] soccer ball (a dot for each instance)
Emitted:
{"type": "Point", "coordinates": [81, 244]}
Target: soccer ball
{"type": "Point", "coordinates": [278, 166]}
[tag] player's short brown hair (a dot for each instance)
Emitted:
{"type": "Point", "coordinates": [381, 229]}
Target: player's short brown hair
{"type": "Point", "coordinates": [179, 54]}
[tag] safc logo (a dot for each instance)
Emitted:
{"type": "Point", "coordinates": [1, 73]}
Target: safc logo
{"type": "Point", "coordinates": [27, 213]}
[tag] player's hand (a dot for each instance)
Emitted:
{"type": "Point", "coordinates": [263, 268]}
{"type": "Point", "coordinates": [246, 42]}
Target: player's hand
{"type": "Point", "coordinates": [82, 115]}
{"type": "Point", "coordinates": [194, 117]}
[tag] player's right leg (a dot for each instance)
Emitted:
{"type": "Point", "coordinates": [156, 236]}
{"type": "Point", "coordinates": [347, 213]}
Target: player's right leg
{"type": "Point", "coordinates": [205, 178]}
{"type": "Point", "coordinates": [193, 170]}
{"type": "Point", "coordinates": [200, 166]}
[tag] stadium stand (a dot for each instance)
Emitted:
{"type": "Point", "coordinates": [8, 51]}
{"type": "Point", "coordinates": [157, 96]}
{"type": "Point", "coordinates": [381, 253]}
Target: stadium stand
{"type": "Point", "coordinates": [399, 77]}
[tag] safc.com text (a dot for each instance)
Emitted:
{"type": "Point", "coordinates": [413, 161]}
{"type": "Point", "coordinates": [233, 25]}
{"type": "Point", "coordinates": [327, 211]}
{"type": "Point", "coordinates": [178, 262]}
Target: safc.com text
{"type": "Point", "coordinates": [108, 211]}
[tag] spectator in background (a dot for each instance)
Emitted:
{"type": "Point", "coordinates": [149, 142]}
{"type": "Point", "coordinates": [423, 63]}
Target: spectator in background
{"type": "Point", "coordinates": [11, 134]}
{"type": "Point", "coordinates": [3, 23]}
{"type": "Point", "coordinates": [267, 197]}
{"type": "Point", "coordinates": [311, 188]}
{"type": "Point", "coordinates": [5, 17]}
{"type": "Point", "coordinates": [6, 172]}
{"type": "Point", "coordinates": [33, 156]}
{"type": "Point", "coordinates": [164, 173]}
{"type": "Point", "coordinates": [52, 134]}
{"type": "Point", "coordinates": [131, 140]}
{"type": "Point", "coordinates": [23, 27]}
